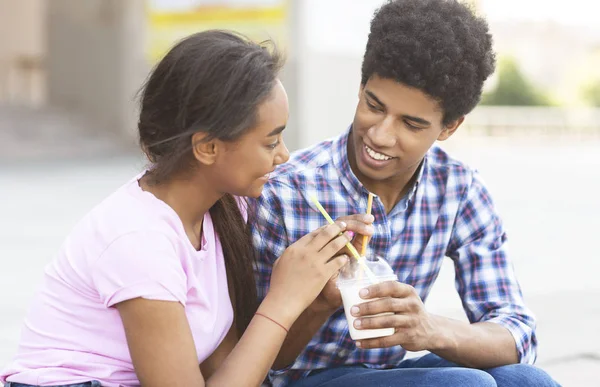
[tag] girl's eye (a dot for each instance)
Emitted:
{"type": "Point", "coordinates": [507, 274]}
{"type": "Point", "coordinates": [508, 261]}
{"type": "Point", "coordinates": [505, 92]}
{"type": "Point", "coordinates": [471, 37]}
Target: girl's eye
{"type": "Point", "coordinates": [274, 145]}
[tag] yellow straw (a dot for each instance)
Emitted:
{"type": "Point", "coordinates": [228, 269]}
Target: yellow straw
{"type": "Point", "coordinates": [363, 251]}
{"type": "Point", "coordinates": [348, 245]}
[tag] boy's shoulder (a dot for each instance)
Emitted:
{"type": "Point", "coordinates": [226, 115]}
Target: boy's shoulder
{"type": "Point", "coordinates": [440, 160]}
{"type": "Point", "coordinates": [449, 175]}
{"type": "Point", "coordinates": [306, 163]}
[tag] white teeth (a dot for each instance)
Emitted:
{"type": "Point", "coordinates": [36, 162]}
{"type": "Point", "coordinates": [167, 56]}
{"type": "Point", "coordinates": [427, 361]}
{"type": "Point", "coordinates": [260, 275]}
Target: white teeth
{"type": "Point", "coordinates": [376, 155]}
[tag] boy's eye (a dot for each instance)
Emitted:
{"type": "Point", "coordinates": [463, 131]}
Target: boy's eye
{"type": "Point", "coordinates": [411, 126]}
{"type": "Point", "coordinates": [372, 107]}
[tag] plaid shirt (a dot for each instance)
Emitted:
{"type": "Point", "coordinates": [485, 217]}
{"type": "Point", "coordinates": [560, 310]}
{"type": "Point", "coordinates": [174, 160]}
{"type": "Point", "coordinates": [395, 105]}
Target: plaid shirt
{"type": "Point", "coordinates": [448, 213]}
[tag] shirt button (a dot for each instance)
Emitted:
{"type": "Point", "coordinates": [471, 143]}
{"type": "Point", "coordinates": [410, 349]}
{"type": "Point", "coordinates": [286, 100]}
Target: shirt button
{"type": "Point", "coordinates": [343, 353]}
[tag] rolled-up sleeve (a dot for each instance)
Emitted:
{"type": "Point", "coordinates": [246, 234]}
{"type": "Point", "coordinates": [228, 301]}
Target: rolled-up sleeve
{"type": "Point", "coordinates": [140, 264]}
{"type": "Point", "coordinates": [485, 278]}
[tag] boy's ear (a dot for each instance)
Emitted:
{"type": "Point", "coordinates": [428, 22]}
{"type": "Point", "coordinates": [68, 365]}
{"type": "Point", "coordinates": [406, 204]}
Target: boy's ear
{"type": "Point", "coordinates": [450, 128]}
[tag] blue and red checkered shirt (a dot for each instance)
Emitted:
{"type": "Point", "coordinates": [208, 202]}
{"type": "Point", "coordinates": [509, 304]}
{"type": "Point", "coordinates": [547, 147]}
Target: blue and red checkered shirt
{"type": "Point", "coordinates": [448, 213]}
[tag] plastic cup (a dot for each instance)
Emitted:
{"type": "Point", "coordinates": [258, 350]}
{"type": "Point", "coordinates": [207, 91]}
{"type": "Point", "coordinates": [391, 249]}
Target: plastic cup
{"type": "Point", "coordinates": [351, 280]}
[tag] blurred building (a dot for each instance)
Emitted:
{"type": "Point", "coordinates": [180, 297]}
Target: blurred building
{"type": "Point", "coordinates": [70, 69]}
{"type": "Point", "coordinates": [68, 74]}
{"type": "Point", "coordinates": [81, 63]}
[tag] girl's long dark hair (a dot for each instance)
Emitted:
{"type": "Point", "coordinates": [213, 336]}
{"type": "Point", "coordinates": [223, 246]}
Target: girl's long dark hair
{"type": "Point", "coordinates": [239, 258]}
{"type": "Point", "coordinates": [211, 82]}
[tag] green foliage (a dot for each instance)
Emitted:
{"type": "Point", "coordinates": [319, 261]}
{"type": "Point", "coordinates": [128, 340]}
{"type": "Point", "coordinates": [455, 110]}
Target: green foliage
{"type": "Point", "coordinates": [513, 89]}
{"type": "Point", "coordinates": [591, 93]}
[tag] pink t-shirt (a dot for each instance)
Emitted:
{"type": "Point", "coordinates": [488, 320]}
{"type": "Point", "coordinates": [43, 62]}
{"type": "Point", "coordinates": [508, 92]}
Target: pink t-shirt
{"type": "Point", "coordinates": [131, 245]}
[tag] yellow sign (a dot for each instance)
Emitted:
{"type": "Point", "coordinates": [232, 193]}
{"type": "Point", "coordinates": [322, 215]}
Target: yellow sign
{"type": "Point", "coordinates": [172, 20]}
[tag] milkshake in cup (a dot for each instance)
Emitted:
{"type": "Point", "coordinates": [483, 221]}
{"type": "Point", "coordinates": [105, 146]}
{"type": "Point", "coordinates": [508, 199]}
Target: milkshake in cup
{"type": "Point", "coordinates": [351, 280]}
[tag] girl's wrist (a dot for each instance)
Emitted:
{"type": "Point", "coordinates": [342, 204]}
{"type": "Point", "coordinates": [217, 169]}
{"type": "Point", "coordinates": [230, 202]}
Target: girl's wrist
{"type": "Point", "coordinates": [279, 309]}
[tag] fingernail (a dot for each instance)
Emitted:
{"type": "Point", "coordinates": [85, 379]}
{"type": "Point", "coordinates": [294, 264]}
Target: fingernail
{"type": "Point", "coordinates": [358, 344]}
{"type": "Point", "coordinates": [357, 323]}
{"type": "Point", "coordinates": [369, 218]}
{"type": "Point", "coordinates": [355, 310]}
{"type": "Point", "coordinates": [350, 234]}
{"type": "Point", "coordinates": [363, 293]}
{"type": "Point", "coordinates": [343, 224]}
{"type": "Point", "coordinates": [370, 229]}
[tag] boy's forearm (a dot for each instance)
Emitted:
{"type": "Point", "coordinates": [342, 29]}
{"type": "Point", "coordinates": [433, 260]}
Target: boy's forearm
{"type": "Point", "coordinates": [479, 345]}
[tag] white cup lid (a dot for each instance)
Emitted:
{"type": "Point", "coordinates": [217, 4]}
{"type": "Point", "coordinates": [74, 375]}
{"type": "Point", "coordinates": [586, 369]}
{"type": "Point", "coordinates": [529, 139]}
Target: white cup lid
{"type": "Point", "coordinates": [353, 272]}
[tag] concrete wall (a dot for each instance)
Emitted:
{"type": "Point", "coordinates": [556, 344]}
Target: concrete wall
{"type": "Point", "coordinates": [290, 75]}
{"type": "Point", "coordinates": [332, 38]}
{"type": "Point", "coordinates": [96, 60]}
{"type": "Point", "coordinates": [22, 51]}
{"type": "Point", "coordinates": [328, 90]}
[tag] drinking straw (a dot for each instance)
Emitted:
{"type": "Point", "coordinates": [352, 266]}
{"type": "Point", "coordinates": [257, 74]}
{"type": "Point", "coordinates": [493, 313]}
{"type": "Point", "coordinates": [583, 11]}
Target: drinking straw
{"type": "Point", "coordinates": [349, 245]}
{"type": "Point", "coordinates": [363, 251]}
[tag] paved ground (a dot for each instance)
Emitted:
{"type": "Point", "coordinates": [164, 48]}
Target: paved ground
{"type": "Point", "coordinates": [548, 193]}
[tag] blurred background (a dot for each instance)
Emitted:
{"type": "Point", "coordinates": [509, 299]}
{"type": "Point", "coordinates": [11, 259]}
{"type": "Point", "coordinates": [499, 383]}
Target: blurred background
{"type": "Point", "coordinates": [70, 70]}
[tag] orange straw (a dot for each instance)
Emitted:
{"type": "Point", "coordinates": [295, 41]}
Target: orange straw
{"type": "Point", "coordinates": [363, 250]}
